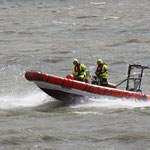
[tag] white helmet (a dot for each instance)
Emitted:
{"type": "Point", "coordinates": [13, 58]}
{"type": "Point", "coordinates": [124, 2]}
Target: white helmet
{"type": "Point", "coordinates": [75, 61]}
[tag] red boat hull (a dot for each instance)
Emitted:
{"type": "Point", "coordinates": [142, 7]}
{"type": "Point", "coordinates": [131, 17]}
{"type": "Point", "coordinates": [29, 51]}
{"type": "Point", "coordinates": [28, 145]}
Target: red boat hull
{"type": "Point", "coordinates": [66, 89]}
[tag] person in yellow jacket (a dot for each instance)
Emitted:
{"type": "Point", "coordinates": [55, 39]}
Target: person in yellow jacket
{"type": "Point", "coordinates": [101, 72]}
{"type": "Point", "coordinates": [79, 70]}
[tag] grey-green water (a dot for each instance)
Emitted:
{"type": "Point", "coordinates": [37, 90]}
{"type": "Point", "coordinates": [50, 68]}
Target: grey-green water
{"type": "Point", "coordinates": [47, 35]}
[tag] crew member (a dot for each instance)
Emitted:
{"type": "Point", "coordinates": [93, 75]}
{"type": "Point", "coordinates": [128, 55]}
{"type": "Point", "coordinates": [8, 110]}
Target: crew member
{"type": "Point", "coordinates": [79, 70]}
{"type": "Point", "coordinates": [101, 72]}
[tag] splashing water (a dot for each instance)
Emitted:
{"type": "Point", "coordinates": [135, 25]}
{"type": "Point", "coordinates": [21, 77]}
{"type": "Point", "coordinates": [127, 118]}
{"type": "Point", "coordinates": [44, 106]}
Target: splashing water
{"type": "Point", "coordinates": [113, 103]}
{"type": "Point", "coordinates": [37, 98]}
{"type": "Point", "coordinates": [8, 102]}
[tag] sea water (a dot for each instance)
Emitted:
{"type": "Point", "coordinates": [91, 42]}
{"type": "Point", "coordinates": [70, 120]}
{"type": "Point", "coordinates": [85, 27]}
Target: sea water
{"type": "Point", "coordinates": [46, 36]}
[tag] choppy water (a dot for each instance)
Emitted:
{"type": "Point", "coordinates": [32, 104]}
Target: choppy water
{"type": "Point", "coordinates": [47, 35]}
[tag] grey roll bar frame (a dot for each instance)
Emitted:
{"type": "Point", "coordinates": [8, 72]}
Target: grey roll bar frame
{"type": "Point", "coordinates": [137, 80]}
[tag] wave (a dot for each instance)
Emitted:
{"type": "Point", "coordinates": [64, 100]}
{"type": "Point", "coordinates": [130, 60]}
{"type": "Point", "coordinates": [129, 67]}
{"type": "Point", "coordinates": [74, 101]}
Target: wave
{"type": "Point", "coordinates": [112, 103]}
{"type": "Point", "coordinates": [42, 101]}
{"type": "Point", "coordinates": [31, 100]}
{"type": "Point", "coordinates": [128, 41]}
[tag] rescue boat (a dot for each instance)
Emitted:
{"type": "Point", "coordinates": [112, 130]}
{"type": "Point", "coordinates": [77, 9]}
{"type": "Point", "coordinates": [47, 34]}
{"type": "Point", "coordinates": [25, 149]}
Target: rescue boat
{"type": "Point", "coordinates": [67, 89]}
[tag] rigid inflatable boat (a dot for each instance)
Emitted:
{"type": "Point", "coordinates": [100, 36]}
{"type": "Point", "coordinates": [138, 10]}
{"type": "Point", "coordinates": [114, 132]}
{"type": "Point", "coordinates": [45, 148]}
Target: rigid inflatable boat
{"type": "Point", "coordinates": [66, 89]}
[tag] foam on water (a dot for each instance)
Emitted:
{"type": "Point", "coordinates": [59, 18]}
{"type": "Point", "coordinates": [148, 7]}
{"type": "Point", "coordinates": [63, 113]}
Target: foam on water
{"type": "Point", "coordinates": [9, 102]}
{"type": "Point", "coordinates": [36, 99]}
{"type": "Point", "coordinates": [113, 103]}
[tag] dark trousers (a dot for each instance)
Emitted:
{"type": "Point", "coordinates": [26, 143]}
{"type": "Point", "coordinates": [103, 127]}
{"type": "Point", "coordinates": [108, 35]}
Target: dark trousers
{"type": "Point", "coordinates": [103, 82]}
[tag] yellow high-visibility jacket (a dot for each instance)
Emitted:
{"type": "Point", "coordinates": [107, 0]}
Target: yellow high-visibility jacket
{"type": "Point", "coordinates": [102, 71]}
{"type": "Point", "coordinates": [79, 70]}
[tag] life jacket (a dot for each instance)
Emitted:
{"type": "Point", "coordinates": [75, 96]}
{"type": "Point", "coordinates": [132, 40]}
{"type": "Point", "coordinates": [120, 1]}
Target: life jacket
{"type": "Point", "coordinates": [78, 68]}
{"type": "Point", "coordinates": [99, 68]}
{"type": "Point", "coordinates": [102, 71]}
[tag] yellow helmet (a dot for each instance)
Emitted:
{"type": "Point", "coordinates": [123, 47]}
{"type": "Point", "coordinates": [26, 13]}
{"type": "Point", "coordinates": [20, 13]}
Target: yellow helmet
{"type": "Point", "coordinates": [75, 61]}
{"type": "Point", "coordinates": [100, 61]}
